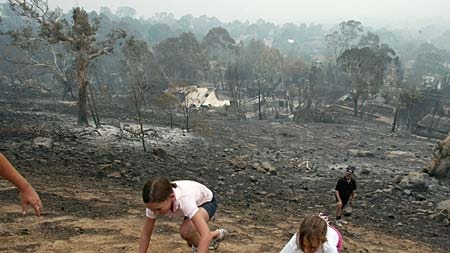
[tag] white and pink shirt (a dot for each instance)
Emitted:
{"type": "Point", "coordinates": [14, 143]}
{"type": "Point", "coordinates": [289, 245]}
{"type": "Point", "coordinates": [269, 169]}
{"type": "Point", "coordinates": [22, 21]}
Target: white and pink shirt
{"type": "Point", "coordinates": [189, 195]}
{"type": "Point", "coordinates": [332, 245]}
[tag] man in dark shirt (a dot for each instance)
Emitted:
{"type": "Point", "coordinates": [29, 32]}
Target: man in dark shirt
{"type": "Point", "coordinates": [345, 192]}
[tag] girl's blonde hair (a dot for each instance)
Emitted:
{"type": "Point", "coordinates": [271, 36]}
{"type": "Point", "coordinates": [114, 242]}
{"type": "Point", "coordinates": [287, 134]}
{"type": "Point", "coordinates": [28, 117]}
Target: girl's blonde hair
{"type": "Point", "coordinates": [157, 190]}
{"type": "Point", "coordinates": [313, 229]}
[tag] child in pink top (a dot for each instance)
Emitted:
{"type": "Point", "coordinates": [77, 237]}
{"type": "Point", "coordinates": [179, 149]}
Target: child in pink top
{"type": "Point", "coordinates": [315, 235]}
{"type": "Point", "coordinates": [185, 198]}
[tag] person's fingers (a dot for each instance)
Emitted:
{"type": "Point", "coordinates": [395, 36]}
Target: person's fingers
{"type": "Point", "coordinates": [37, 210]}
{"type": "Point", "coordinates": [37, 206]}
{"type": "Point", "coordinates": [24, 207]}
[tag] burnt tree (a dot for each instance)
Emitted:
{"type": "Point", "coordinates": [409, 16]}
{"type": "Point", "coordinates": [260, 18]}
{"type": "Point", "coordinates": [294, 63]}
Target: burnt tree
{"type": "Point", "coordinates": [77, 35]}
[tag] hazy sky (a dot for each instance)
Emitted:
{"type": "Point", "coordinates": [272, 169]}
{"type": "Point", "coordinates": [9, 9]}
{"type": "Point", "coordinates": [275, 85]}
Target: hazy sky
{"type": "Point", "coordinates": [281, 11]}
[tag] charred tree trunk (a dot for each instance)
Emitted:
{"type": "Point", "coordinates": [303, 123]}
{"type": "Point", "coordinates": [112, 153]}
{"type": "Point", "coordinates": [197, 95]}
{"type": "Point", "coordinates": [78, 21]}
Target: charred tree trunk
{"type": "Point", "coordinates": [139, 115]}
{"type": "Point", "coordinates": [291, 104]}
{"type": "Point", "coordinates": [355, 105]}
{"type": "Point", "coordinates": [299, 96]}
{"type": "Point", "coordinates": [238, 94]}
{"type": "Point", "coordinates": [94, 110]}
{"type": "Point", "coordinates": [186, 116]}
{"type": "Point", "coordinates": [394, 123]}
{"type": "Point", "coordinates": [82, 91]}
{"type": "Point", "coordinates": [68, 90]}
{"type": "Point", "coordinates": [221, 79]}
{"type": "Point", "coordinates": [259, 101]}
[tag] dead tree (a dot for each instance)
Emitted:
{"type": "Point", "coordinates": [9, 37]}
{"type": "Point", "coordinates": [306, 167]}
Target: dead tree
{"type": "Point", "coordinates": [235, 89]}
{"type": "Point", "coordinates": [78, 35]}
{"type": "Point", "coordinates": [137, 60]}
{"type": "Point", "coordinates": [42, 56]}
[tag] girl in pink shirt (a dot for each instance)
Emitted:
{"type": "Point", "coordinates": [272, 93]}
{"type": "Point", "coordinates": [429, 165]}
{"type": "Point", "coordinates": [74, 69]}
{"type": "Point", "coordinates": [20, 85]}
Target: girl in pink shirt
{"type": "Point", "coordinates": [185, 198]}
{"type": "Point", "coordinates": [315, 235]}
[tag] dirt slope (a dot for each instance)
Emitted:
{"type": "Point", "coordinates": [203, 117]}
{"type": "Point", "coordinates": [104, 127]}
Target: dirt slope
{"type": "Point", "coordinates": [90, 185]}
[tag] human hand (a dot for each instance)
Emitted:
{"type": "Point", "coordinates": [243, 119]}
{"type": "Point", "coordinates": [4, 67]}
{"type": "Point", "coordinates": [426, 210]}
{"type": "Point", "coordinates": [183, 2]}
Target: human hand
{"type": "Point", "coordinates": [28, 196]}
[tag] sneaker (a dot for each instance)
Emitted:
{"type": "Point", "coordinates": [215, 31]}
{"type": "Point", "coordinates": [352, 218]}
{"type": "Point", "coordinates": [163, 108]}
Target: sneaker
{"type": "Point", "coordinates": [214, 244]}
{"type": "Point", "coordinates": [222, 234]}
{"type": "Point", "coordinates": [339, 223]}
{"type": "Point", "coordinates": [344, 222]}
{"type": "Point", "coordinates": [216, 241]}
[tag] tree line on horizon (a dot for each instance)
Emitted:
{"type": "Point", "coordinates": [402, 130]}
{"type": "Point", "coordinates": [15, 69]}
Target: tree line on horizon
{"type": "Point", "coordinates": [307, 65]}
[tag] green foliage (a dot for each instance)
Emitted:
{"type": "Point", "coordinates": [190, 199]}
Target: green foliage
{"type": "Point", "coordinates": [345, 37]}
{"type": "Point", "coordinates": [219, 44]}
{"type": "Point", "coordinates": [82, 33]}
{"type": "Point", "coordinates": [411, 100]}
{"type": "Point", "coordinates": [429, 60]}
{"type": "Point", "coordinates": [125, 11]}
{"type": "Point", "coordinates": [268, 66]}
{"type": "Point", "coordinates": [182, 58]}
{"type": "Point", "coordinates": [250, 54]}
{"type": "Point", "coordinates": [167, 100]}
{"type": "Point", "coordinates": [158, 32]}
{"type": "Point", "coordinates": [369, 40]}
{"type": "Point", "coordinates": [411, 96]}
{"type": "Point", "coordinates": [350, 32]}
{"type": "Point", "coordinates": [294, 70]}
{"type": "Point", "coordinates": [365, 68]}
{"type": "Point", "coordinates": [141, 68]}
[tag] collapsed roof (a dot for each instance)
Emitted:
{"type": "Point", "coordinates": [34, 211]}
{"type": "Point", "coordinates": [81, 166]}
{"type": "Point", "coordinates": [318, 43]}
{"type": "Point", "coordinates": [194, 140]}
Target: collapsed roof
{"type": "Point", "coordinates": [202, 97]}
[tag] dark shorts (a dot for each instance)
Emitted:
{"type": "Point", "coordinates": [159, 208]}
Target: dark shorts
{"type": "Point", "coordinates": [210, 207]}
{"type": "Point", "coordinates": [344, 201]}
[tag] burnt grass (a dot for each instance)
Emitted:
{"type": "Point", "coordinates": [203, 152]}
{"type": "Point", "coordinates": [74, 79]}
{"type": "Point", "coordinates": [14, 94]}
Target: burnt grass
{"type": "Point", "coordinates": [217, 137]}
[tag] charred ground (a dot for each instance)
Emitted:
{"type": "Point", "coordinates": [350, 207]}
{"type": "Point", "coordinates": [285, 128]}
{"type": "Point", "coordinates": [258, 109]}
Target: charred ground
{"type": "Point", "coordinates": [267, 175]}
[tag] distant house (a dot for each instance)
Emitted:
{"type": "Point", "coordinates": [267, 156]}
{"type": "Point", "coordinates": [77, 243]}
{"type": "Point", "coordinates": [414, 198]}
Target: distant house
{"type": "Point", "coordinates": [201, 97]}
{"type": "Point", "coordinates": [346, 98]}
{"type": "Point", "coordinates": [432, 81]}
{"type": "Point", "coordinates": [268, 42]}
{"type": "Point", "coordinates": [433, 126]}
{"type": "Point", "coordinates": [446, 110]}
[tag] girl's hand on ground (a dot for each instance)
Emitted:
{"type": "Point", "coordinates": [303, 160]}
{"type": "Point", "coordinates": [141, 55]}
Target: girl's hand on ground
{"type": "Point", "coordinates": [28, 196]}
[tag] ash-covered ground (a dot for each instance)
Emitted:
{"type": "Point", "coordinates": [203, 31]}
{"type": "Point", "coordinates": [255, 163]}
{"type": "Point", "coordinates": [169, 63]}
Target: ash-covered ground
{"type": "Point", "coordinates": [267, 176]}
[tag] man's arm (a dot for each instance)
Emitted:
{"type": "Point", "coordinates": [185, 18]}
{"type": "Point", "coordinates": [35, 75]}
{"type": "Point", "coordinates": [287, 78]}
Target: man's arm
{"type": "Point", "coordinates": [146, 235]}
{"type": "Point", "coordinates": [28, 195]}
{"type": "Point", "coordinates": [336, 189]}
{"type": "Point", "coordinates": [353, 193]}
{"type": "Point", "coordinates": [352, 197]}
{"type": "Point", "coordinates": [338, 196]}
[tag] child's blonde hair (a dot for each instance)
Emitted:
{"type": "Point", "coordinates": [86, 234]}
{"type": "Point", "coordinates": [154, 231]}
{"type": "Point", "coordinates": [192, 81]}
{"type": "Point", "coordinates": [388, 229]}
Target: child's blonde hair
{"type": "Point", "coordinates": [157, 190]}
{"type": "Point", "coordinates": [313, 229]}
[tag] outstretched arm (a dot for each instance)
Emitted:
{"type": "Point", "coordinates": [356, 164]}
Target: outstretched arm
{"type": "Point", "coordinates": [146, 235]}
{"type": "Point", "coordinates": [28, 195]}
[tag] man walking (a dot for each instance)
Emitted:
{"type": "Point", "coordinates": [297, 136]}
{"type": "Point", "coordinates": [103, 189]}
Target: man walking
{"type": "Point", "coordinates": [345, 193]}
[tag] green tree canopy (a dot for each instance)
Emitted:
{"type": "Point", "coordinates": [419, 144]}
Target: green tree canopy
{"type": "Point", "coordinates": [182, 58]}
